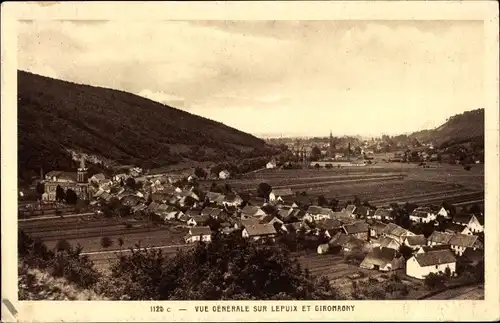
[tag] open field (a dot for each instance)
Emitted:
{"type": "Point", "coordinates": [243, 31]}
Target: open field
{"type": "Point", "coordinates": [89, 232]}
{"type": "Point", "coordinates": [475, 292]}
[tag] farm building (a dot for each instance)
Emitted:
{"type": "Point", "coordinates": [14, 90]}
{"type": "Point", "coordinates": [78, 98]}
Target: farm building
{"type": "Point", "coordinates": [198, 234]}
{"type": "Point", "coordinates": [329, 226]}
{"type": "Point", "coordinates": [242, 223]}
{"type": "Point", "coordinates": [256, 201]}
{"type": "Point", "coordinates": [358, 229]}
{"type": "Point", "coordinates": [295, 227]}
{"type": "Point", "coordinates": [347, 243]}
{"type": "Point", "coordinates": [415, 242]}
{"type": "Point", "coordinates": [425, 249]}
{"type": "Point", "coordinates": [279, 194]}
{"type": "Point", "coordinates": [422, 264]}
{"type": "Point", "coordinates": [383, 259]}
{"type": "Point", "coordinates": [350, 209]}
{"type": "Point", "coordinates": [270, 220]}
{"type": "Point", "coordinates": [470, 221]}
{"type": "Point", "coordinates": [259, 231]}
{"type": "Point", "coordinates": [461, 242]}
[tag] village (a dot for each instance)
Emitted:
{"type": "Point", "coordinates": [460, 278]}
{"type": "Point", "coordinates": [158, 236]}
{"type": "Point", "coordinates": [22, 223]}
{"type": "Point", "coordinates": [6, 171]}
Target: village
{"type": "Point", "coordinates": [420, 241]}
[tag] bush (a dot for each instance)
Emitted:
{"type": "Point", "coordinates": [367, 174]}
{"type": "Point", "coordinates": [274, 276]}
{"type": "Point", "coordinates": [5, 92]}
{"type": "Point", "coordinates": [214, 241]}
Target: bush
{"type": "Point", "coordinates": [467, 167]}
{"type": "Point", "coordinates": [106, 242]}
{"type": "Point", "coordinates": [62, 244]}
{"type": "Point", "coordinates": [434, 280]}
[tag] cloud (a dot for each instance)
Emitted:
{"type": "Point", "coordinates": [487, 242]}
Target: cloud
{"type": "Point", "coordinates": [314, 74]}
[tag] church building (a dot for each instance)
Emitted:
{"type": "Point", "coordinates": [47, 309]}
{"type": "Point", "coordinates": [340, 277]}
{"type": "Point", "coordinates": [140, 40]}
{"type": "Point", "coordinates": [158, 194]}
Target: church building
{"type": "Point", "coordinates": [67, 180]}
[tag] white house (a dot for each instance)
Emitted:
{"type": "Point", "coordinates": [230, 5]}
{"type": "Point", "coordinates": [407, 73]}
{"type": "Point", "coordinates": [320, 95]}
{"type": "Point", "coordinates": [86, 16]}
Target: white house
{"type": "Point", "coordinates": [443, 212]}
{"type": "Point", "coordinates": [422, 264]}
{"type": "Point", "coordinates": [470, 221]}
{"type": "Point", "coordinates": [422, 215]}
{"type": "Point", "coordinates": [271, 164]}
{"type": "Point", "coordinates": [224, 174]}
{"type": "Point", "coordinates": [198, 234]}
{"type": "Point", "coordinates": [461, 242]}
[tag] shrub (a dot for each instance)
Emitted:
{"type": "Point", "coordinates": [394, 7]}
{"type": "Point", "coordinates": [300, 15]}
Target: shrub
{"type": "Point", "coordinates": [106, 242]}
{"type": "Point", "coordinates": [62, 244]}
{"type": "Point", "coordinates": [434, 280]}
{"type": "Point", "coordinates": [467, 167]}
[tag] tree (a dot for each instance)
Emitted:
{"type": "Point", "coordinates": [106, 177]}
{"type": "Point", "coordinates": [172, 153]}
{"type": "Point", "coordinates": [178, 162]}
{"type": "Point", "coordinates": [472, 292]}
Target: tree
{"type": "Point", "coordinates": [40, 188]}
{"type": "Point", "coordinates": [329, 166]}
{"type": "Point", "coordinates": [316, 165]}
{"type": "Point", "coordinates": [322, 200]}
{"type": "Point", "coordinates": [106, 242]}
{"type": "Point", "coordinates": [120, 241]}
{"type": "Point", "coordinates": [263, 190]}
{"type": "Point", "coordinates": [228, 268]}
{"type": "Point", "coordinates": [315, 153]}
{"type": "Point", "coordinates": [62, 244]}
{"type": "Point", "coordinates": [60, 195]}
{"type": "Point", "coordinates": [434, 280]}
{"type": "Point", "coordinates": [357, 201]}
{"type": "Point", "coordinates": [71, 197]}
{"type": "Point", "coordinates": [200, 172]}
{"type": "Point", "coordinates": [130, 182]}
{"type": "Point", "coordinates": [406, 251]}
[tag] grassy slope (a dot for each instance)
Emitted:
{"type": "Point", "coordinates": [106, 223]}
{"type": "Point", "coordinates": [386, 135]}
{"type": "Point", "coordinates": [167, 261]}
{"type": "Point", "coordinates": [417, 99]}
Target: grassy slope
{"type": "Point", "coordinates": [54, 115]}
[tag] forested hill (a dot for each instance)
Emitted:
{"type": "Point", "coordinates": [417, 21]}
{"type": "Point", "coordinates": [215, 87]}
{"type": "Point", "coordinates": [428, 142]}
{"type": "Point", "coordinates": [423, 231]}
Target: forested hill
{"type": "Point", "coordinates": [460, 128]}
{"type": "Point", "coordinates": [55, 115]}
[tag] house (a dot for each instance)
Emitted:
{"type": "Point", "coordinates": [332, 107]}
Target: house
{"type": "Point", "coordinates": [259, 231]}
{"type": "Point", "coordinates": [182, 217]}
{"type": "Point", "coordinates": [444, 213]}
{"type": "Point", "coordinates": [271, 164]}
{"type": "Point", "coordinates": [425, 249]}
{"type": "Point", "coordinates": [386, 242]}
{"type": "Point", "coordinates": [271, 220]}
{"type": "Point", "coordinates": [252, 211]}
{"type": "Point", "coordinates": [121, 177]}
{"type": "Point", "coordinates": [439, 238]}
{"type": "Point", "coordinates": [294, 216]}
{"type": "Point", "coordinates": [97, 178]}
{"type": "Point", "coordinates": [329, 226]}
{"type": "Point", "coordinates": [422, 215]}
{"type": "Point", "coordinates": [362, 212]}
{"type": "Point", "coordinates": [278, 194]}
{"type": "Point", "coordinates": [396, 232]}
{"type": "Point", "coordinates": [256, 201]}
{"type": "Point", "coordinates": [383, 214]}
{"type": "Point", "coordinates": [358, 229]}
{"type": "Point", "coordinates": [243, 223]}
{"type": "Point", "coordinates": [199, 234]}
{"type": "Point", "coordinates": [292, 227]}
{"type": "Point", "coordinates": [415, 242]}
{"type": "Point", "coordinates": [131, 200]}
{"type": "Point", "coordinates": [232, 199]}
{"type": "Point", "coordinates": [454, 228]}
{"type": "Point", "coordinates": [347, 243]}
{"type": "Point", "coordinates": [350, 208]}
{"type": "Point", "coordinates": [318, 213]}
{"type": "Point", "coordinates": [224, 174]}
{"type": "Point", "coordinates": [461, 242]}
{"type": "Point", "coordinates": [383, 259]}
{"type": "Point", "coordinates": [285, 211]}
{"type": "Point", "coordinates": [193, 212]}
{"type": "Point", "coordinates": [198, 220]}
{"type": "Point", "coordinates": [138, 210]}
{"type": "Point", "coordinates": [214, 197]}
{"type": "Point", "coordinates": [212, 212]}
{"type": "Point", "coordinates": [376, 229]}
{"type": "Point", "coordinates": [470, 221]}
{"type": "Point", "coordinates": [422, 264]}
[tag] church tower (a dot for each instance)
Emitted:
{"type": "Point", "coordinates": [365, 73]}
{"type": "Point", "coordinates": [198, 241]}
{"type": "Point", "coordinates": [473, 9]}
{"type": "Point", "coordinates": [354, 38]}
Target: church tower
{"type": "Point", "coordinates": [82, 172]}
{"type": "Point", "coordinates": [331, 147]}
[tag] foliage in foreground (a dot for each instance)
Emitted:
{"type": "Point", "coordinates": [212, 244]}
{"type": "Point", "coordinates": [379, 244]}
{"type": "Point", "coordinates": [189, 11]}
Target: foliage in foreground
{"type": "Point", "coordinates": [35, 284]}
{"type": "Point", "coordinates": [64, 261]}
{"type": "Point", "coordinates": [227, 268]}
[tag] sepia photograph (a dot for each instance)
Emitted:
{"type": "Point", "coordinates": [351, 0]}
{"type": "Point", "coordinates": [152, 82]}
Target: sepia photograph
{"type": "Point", "coordinates": [331, 160]}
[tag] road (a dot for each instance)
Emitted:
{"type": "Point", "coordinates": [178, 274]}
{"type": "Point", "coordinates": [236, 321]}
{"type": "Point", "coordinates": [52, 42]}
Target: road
{"type": "Point", "coordinates": [106, 252]}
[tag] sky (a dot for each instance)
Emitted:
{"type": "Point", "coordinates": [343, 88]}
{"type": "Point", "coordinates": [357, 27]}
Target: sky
{"type": "Point", "coordinates": [275, 78]}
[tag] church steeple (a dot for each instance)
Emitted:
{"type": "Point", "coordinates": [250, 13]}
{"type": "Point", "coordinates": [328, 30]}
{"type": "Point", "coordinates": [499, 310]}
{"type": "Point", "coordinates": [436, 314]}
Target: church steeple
{"type": "Point", "coordinates": [82, 171]}
{"type": "Point", "coordinates": [331, 146]}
